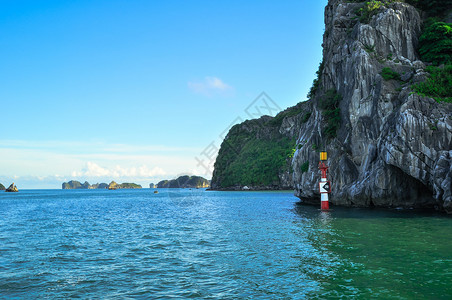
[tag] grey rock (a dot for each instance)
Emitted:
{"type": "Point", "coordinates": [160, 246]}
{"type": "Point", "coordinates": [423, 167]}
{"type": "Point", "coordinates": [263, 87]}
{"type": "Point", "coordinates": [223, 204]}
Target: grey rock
{"type": "Point", "coordinates": [393, 148]}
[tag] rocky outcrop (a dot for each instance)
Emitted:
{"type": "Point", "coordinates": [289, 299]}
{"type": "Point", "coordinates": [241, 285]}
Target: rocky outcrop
{"type": "Point", "coordinates": [152, 186]}
{"type": "Point", "coordinates": [12, 188]}
{"type": "Point", "coordinates": [393, 148]}
{"type": "Point", "coordinates": [2, 187]}
{"type": "Point", "coordinates": [185, 181]}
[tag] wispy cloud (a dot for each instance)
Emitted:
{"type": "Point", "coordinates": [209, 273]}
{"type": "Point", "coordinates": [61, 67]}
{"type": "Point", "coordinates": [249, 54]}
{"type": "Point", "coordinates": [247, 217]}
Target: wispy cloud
{"type": "Point", "coordinates": [210, 86]}
{"type": "Point", "coordinates": [94, 170]}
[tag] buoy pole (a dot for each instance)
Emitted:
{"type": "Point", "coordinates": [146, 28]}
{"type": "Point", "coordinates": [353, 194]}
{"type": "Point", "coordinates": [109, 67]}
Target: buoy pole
{"type": "Point", "coordinates": [324, 184]}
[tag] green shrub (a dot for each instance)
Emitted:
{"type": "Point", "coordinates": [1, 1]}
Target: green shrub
{"type": "Point", "coordinates": [432, 7]}
{"type": "Point", "coordinates": [306, 117]}
{"type": "Point", "coordinates": [388, 74]}
{"type": "Point", "coordinates": [304, 167]}
{"type": "Point", "coordinates": [435, 43]}
{"type": "Point", "coordinates": [369, 48]}
{"type": "Point", "coordinates": [329, 104]}
{"type": "Point", "coordinates": [439, 84]}
{"type": "Point", "coordinates": [369, 9]}
{"type": "Point", "coordinates": [333, 118]}
{"type": "Point", "coordinates": [316, 82]}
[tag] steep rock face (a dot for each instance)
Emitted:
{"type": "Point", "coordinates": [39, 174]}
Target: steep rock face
{"type": "Point", "coordinates": [393, 148]}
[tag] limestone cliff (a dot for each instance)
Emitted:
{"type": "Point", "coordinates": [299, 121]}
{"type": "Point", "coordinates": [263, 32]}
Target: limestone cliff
{"type": "Point", "coordinates": [390, 147]}
{"type": "Point", "coordinates": [387, 145]}
{"type": "Point", "coordinates": [2, 187]}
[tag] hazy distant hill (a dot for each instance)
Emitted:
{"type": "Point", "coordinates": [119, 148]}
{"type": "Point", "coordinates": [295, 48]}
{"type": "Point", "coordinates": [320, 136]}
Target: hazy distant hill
{"type": "Point", "coordinates": [76, 185]}
{"type": "Point", "coordinates": [185, 182]}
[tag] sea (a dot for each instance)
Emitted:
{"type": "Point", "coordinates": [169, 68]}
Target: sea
{"type": "Point", "coordinates": [198, 244]}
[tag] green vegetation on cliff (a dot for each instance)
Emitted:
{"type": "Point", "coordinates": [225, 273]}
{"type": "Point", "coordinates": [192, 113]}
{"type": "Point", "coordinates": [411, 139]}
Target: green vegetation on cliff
{"type": "Point", "coordinates": [389, 74]}
{"type": "Point", "coordinates": [245, 158]}
{"type": "Point", "coordinates": [316, 82]}
{"type": "Point", "coordinates": [435, 46]}
{"type": "Point", "coordinates": [435, 43]}
{"type": "Point", "coordinates": [432, 7]}
{"type": "Point", "coordinates": [2, 187]}
{"type": "Point", "coordinates": [438, 85]}
{"type": "Point", "coordinates": [329, 103]}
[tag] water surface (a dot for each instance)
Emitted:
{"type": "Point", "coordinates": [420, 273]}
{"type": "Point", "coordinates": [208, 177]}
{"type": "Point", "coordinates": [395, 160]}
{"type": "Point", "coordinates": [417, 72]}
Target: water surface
{"type": "Point", "coordinates": [215, 245]}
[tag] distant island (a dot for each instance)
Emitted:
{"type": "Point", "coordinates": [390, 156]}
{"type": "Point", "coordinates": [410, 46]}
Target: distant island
{"type": "Point", "coordinates": [183, 182]}
{"type": "Point", "coordinates": [11, 188]}
{"type": "Point", "coordinates": [76, 185]}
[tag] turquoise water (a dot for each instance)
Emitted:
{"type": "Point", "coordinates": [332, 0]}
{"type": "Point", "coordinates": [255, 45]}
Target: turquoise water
{"type": "Point", "coordinates": [215, 245]}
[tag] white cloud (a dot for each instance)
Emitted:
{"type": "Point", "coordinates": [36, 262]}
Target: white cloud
{"type": "Point", "coordinates": [94, 170]}
{"type": "Point", "coordinates": [34, 165]}
{"type": "Point", "coordinates": [210, 86]}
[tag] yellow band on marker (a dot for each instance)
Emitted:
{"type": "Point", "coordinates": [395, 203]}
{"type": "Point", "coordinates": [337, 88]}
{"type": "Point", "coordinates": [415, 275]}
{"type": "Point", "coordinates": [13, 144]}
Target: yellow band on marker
{"type": "Point", "coordinates": [322, 155]}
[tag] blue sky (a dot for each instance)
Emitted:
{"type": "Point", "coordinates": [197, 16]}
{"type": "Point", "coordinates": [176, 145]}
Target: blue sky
{"type": "Point", "coordinates": [141, 90]}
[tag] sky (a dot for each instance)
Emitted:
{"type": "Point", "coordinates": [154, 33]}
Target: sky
{"type": "Point", "coordinates": [140, 90]}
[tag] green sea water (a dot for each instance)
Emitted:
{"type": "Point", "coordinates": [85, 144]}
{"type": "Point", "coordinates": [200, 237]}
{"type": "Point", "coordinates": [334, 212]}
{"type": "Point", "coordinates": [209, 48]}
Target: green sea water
{"type": "Point", "coordinates": [182, 244]}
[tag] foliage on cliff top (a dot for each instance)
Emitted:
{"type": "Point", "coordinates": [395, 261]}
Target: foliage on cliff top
{"type": "Point", "coordinates": [368, 10]}
{"type": "Point", "coordinates": [432, 7]}
{"type": "Point", "coordinates": [435, 43]}
{"type": "Point", "coordinates": [388, 74]}
{"type": "Point", "coordinates": [438, 85]}
{"type": "Point", "coordinates": [244, 159]}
